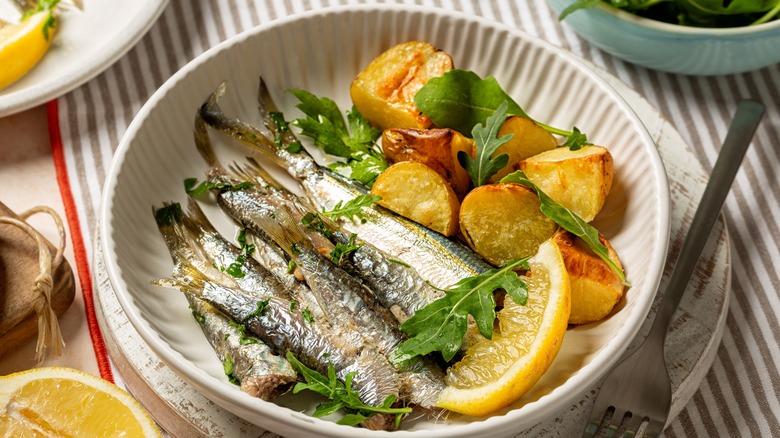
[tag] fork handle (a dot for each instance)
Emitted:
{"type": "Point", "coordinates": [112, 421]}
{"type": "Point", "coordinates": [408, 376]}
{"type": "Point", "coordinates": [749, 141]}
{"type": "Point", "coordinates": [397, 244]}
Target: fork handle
{"type": "Point", "coordinates": [743, 126]}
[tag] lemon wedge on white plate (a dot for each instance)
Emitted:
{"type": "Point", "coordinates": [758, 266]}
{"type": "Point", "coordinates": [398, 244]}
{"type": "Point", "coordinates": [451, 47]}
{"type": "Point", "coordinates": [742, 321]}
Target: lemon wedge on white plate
{"type": "Point", "coordinates": [22, 45]}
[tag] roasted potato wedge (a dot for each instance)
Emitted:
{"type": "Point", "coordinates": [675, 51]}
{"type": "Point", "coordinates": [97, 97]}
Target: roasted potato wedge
{"type": "Point", "coordinates": [419, 193]}
{"type": "Point", "coordinates": [502, 222]}
{"type": "Point", "coordinates": [528, 139]}
{"type": "Point", "coordinates": [384, 92]}
{"type": "Point", "coordinates": [579, 180]}
{"type": "Point", "coordinates": [595, 288]}
{"type": "Point", "coordinates": [436, 148]}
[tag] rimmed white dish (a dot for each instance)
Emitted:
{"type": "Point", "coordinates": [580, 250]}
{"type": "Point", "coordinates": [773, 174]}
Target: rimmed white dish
{"type": "Point", "coordinates": [87, 42]}
{"type": "Point", "coordinates": [321, 51]}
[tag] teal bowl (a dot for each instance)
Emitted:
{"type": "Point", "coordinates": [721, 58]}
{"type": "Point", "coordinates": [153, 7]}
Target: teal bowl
{"type": "Point", "coordinates": [673, 48]}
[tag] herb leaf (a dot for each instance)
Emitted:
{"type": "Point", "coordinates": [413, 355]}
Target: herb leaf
{"type": "Point", "coordinates": [341, 395]}
{"type": "Point", "coordinates": [341, 250]}
{"type": "Point", "coordinates": [355, 140]}
{"type": "Point", "coordinates": [460, 99]}
{"type": "Point", "coordinates": [194, 189]}
{"type": "Point", "coordinates": [568, 220]}
{"type": "Point", "coordinates": [352, 208]}
{"type": "Point", "coordinates": [485, 139]}
{"type": "Point", "coordinates": [441, 325]}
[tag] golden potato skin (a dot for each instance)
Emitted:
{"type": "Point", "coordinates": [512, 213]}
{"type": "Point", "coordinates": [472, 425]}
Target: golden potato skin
{"type": "Point", "coordinates": [436, 148]}
{"type": "Point", "coordinates": [579, 180]}
{"type": "Point", "coordinates": [528, 139]}
{"type": "Point", "coordinates": [595, 287]}
{"type": "Point", "coordinates": [501, 222]}
{"type": "Point", "coordinates": [419, 193]}
{"type": "Point", "coordinates": [384, 92]}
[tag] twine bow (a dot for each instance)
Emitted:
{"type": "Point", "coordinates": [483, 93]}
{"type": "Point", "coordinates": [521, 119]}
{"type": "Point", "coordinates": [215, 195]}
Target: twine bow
{"type": "Point", "coordinates": [49, 335]}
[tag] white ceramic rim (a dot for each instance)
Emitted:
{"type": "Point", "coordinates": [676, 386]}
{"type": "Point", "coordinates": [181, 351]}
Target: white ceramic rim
{"type": "Point", "coordinates": [67, 80]}
{"type": "Point", "coordinates": [742, 31]}
{"type": "Point", "coordinates": [562, 395]}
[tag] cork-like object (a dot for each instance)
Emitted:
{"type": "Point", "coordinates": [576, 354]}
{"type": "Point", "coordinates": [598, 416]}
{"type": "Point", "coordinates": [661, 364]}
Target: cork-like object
{"type": "Point", "coordinates": [18, 270]}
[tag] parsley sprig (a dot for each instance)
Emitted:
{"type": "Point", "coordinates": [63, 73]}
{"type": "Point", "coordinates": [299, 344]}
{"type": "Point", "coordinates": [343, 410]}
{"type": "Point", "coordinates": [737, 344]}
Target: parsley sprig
{"type": "Point", "coordinates": [568, 220]}
{"type": "Point", "coordinates": [341, 395]}
{"type": "Point", "coordinates": [442, 324]}
{"type": "Point", "coordinates": [354, 141]}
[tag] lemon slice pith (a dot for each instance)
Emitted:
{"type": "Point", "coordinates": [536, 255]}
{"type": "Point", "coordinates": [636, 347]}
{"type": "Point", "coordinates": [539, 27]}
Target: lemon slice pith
{"type": "Point", "coordinates": [55, 401]}
{"type": "Point", "coordinates": [22, 46]}
{"type": "Point", "coordinates": [496, 372]}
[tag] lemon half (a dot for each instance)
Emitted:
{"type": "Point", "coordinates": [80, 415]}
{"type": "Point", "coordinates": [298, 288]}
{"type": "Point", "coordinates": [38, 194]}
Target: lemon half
{"type": "Point", "coordinates": [56, 401]}
{"type": "Point", "coordinates": [495, 373]}
{"type": "Point", "coordinates": [22, 46]}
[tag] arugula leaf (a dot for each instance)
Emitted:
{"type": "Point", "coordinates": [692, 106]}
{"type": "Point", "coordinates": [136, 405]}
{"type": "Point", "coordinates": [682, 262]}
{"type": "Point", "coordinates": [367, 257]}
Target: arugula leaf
{"type": "Point", "coordinates": [352, 208]}
{"type": "Point", "coordinates": [341, 395]}
{"type": "Point", "coordinates": [355, 140]}
{"type": "Point", "coordinates": [485, 139]}
{"type": "Point", "coordinates": [460, 99]}
{"type": "Point", "coordinates": [568, 220]}
{"type": "Point", "coordinates": [441, 325]}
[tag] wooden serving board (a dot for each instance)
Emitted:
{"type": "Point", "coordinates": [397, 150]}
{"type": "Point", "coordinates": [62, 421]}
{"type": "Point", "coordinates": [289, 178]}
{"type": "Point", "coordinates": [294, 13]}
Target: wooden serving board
{"type": "Point", "coordinates": [691, 344]}
{"type": "Point", "coordinates": [18, 270]}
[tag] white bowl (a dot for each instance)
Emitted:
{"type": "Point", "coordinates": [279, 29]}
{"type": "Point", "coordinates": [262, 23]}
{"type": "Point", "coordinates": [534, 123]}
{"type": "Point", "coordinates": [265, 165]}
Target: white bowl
{"type": "Point", "coordinates": [322, 51]}
{"type": "Point", "coordinates": [673, 48]}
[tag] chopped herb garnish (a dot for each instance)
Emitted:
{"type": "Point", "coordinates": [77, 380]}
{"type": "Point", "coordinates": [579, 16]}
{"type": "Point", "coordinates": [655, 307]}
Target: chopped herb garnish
{"type": "Point", "coordinates": [261, 305]}
{"type": "Point", "coordinates": [341, 395]}
{"type": "Point", "coordinates": [314, 222]}
{"type": "Point", "coordinates": [244, 338]}
{"type": "Point", "coordinates": [568, 220]}
{"type": "Point", "coordinates": [399, 262]}
{"type": "Point", "coordinates": [352, 208]}
{"type": "Point", "coordinates": [441, 325]}
{"type": "Point", "coordinates": [291, 266]}
{"type": "Point", "coordinates": [192, 187]}
{"type": "Point", "coordinates": [341, 250]}
{"type": "Point", "coordinates": [199, 317]}
{"type": "Point", "coordinates": [229, 369]}
{"type": "Point", "coordinates": [282, 127]}
{"type": "Point", "coordinates": [293, 305]}
{"type": "Point", "coordinates": [307, 316]}
{"type": "Point", "coordinates": [236, 269]}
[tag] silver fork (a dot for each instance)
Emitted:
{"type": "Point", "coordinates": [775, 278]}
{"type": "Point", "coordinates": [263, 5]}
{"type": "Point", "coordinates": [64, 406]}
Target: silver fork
{"type": "Point", "coordinates": [636, 396]}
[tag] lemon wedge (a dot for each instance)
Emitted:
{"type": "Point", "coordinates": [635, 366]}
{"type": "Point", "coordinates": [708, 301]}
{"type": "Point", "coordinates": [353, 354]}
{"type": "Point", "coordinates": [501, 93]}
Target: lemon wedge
{"type": "Point", "coordinates": [495, 373]}
{"type": "Point", "coordinates": [23, 45]}
{"type": "Point", "coordinates": [56, 401]}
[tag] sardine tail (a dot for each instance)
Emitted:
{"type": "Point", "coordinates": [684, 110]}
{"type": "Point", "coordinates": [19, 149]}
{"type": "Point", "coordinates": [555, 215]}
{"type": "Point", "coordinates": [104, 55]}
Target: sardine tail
{"type": "Point", "coordinates": [203, 141]}
{"type": "Point", "coordinates": [283, 230]}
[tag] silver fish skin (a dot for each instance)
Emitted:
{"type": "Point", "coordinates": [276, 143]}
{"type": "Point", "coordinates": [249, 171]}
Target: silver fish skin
{"type": "Point", "coordinates": [261, 373]}
{"type": "Point", "coordinates": [346, 297]}
{"type": "Point", "coordinates": [438, 259]}
{"type": "Point", "coordinates": [278, 325]}
{"type": "Point", "coordinates": [349, 303]}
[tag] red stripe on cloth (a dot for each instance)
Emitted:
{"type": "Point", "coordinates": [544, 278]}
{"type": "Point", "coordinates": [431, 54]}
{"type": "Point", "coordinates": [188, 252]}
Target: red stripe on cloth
{"type": "Point", "coordinates": [80, 252]}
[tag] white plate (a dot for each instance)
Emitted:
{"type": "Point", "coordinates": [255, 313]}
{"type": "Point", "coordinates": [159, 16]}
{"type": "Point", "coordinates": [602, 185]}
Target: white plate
{"type": "Point", "coordinates": [322, 51]}
{"type": "Point", "coordinates": [87, 43]}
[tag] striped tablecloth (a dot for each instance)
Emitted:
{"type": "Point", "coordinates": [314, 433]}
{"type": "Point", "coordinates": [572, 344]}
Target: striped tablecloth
{"type": "Point", "coordinates": [741, 393]}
